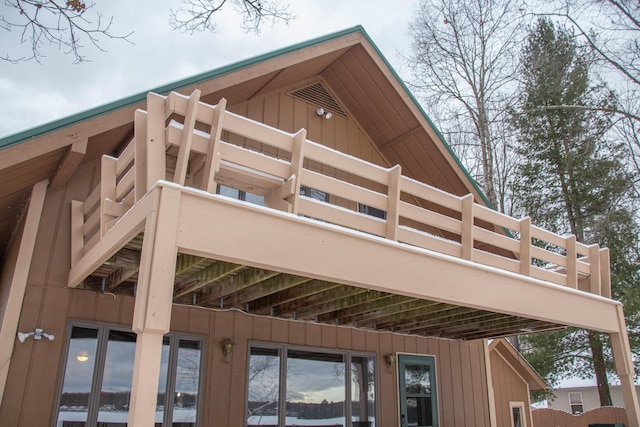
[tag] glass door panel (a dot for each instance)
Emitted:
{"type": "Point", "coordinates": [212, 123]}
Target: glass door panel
{"type": "Point", "coordinates": [418, 406]}
{"type": "Point", "coordinates": [78, 378]}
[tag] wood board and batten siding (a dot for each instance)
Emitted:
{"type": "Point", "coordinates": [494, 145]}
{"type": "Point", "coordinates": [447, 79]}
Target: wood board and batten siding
{"type": "Point", "coordinates": [461, 382]}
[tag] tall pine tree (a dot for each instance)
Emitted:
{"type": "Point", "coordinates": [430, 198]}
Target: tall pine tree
{"type": "Point", "coordinates": [572, 179]}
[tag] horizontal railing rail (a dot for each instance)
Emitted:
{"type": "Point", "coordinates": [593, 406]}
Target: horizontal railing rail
{"type": "Point", "coordinates": [195, 144]}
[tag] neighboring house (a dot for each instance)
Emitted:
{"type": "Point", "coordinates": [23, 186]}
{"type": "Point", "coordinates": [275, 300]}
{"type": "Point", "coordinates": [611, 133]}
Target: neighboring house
{"type": "Point", "coordinates": [227, 253]}
{"type": "Point", "coordinates": [512, 378]}
{"type": "Point", "coordinates": [584, 398]}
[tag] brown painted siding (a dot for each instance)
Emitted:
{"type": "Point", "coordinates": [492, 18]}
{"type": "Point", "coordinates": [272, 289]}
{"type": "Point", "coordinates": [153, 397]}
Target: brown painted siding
{"type": "Point", "coordinates": [32, 385]}
{"type": "Point", "coordinates": [508, 386]}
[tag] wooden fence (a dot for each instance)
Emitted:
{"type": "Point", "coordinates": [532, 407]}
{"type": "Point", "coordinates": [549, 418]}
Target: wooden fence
{"type": "Point", "coordinates": [547, 417]}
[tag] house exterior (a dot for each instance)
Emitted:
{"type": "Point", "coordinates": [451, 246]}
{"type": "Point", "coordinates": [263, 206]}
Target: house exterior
{"type": "Point", "coordinates": [580, 399]}
{"type": "Point", "coordinates": [513, 379]}
{"type": "Point", "coordinates": [285, 241]}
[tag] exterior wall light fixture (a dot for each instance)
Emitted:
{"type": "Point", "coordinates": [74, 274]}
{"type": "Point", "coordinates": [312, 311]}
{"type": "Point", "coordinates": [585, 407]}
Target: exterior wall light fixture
{"type": "Point", "coordinates": [227, 348]}
{"type": "Point", "coordinates": [320, 112]}
{"type": "Point", "coordinates": [37, 334]}
{"type": "Point", "coordinates": [390, 360]}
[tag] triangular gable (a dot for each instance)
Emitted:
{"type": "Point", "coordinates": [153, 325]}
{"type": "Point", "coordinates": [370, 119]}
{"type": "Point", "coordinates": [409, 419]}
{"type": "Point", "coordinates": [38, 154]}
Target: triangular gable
{"type": "Point", "coordinates": [522, 367]}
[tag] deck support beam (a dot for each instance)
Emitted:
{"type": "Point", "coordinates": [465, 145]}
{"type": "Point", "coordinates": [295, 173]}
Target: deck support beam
{"type": "Point", "coordinates": [152, 311]}
{"type": "Point", "coordinates": [624, 369]}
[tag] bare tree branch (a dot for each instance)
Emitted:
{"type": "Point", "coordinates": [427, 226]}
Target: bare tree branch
{"type": "Point", "coordinates": [55, 22]}
{"type": "Point", "coordinates": [198, 15]}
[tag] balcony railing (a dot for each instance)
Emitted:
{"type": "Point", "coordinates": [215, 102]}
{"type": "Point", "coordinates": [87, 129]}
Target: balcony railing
{"type": "Point", "coordinates": [191, 143]}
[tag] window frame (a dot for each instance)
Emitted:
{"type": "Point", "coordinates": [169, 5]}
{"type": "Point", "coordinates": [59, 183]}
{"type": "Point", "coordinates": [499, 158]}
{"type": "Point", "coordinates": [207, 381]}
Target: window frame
{"type": "Point", "coordinates": [282, 374]}
{"type": "Point", "coordinates": [519, 405]}
{"type": "Point", "coordinates": [571, 404]}
{"type": "Point", "coordinates": [98, 370]}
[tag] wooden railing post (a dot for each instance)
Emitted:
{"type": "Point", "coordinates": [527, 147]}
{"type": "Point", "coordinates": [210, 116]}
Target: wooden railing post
{"type": "Point", "coordinates": [466, 238]}
{"type": "Point", "coordinates": [393, 202]}
{"type": "Point", "coordinates": [297, 160]}
{"type": "Point", "coordinates": [594, 269]}
{"type": "Point", "coordinates": [140, 159]}
{"type": "Point", "coordinates": [156, 161]}
{"type": "Point", "coordinates": [107, 189]}
{"type": "Point", "coordinates": [212, 165]}
{"type": "Point", "coordinates": [184, 151]}
{"type": "Point", "coordinates": [572, 262]}
{"type": "Point", "coordinates": [525, 246]}
{"type": "Point", "coordinates": [605, 273]}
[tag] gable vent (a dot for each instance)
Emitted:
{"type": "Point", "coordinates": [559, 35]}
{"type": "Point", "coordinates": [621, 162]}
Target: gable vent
{"type": "Point", "coordinates": [318, 95]}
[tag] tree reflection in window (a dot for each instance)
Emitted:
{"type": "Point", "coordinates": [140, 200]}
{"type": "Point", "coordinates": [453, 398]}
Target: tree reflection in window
{"type": "Point", "coordinates": [96, 388]}
{"type": "Point", "coordinates": [293, 386]}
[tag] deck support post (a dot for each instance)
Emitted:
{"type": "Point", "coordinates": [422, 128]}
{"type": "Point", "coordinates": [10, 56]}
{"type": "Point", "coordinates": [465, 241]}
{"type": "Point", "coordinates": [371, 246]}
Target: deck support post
{"type": "Point", "coordinates": [624, 369]}
{"type": "Point", "coordinates": [152, 311]}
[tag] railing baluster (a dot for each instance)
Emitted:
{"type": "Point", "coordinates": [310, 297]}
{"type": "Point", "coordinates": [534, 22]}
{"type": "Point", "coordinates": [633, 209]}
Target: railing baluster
{"type": "Point", "coordinates": [572, 262]}
{"type": "Point", "coordinates": [525, 246]}
{"type": "Point", "coordinates": [393, 202]}
{"type": "Point", "coordinates": [212, 165]}
{"type": "Point", "coordinates": [184, 152]}
{"type": "Point", "coordinates": [594, 269]}
{"type": "Point", "coordinates": [466, 238]}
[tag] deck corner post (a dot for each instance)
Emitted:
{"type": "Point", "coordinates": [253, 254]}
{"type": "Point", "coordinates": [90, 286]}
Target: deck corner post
{"type": "Point", "coordinates": [625, 370]}
{"type": "Point", "coordinates": [152, 310]}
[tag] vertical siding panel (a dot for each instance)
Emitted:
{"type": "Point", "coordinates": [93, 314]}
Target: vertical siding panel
{"type": "Point", "coordinates": [358, 340]}
{"type": "Point", "coordinates": [208, 405]}
{"type": "Point", "coordinates": [387, 398]}
{"type": "Point", "coordinates": [221, 386]}
{"type": "Point", "coordinates": [107, 308]}
{"type": "Point", "coordinates": [297, 332]}
{"type": "Point", "coordinates": [445, 383]}
{"type": "Point", "coordinates": [479, 379]}
{"type": "Point", "coordinates": [198, 321]}
{"type": "Point", "coordinates": [329, 336]}
{"type": "Point", "coordinates": [285, 117]}
{"type": "Point", "coordinates": [457, 384]}
{"type": "Point", "coordinates": [21, 375]}
{"type": "Point", "coordinates": [343, 340]}
{"type": "Point", "coordinates": [83, 305]}
{"type": "Point", "coordinates": [314, 335]}
{"type": "Point", "coordinates": [180, 318]}
{"type": "Point", "coordinates": [279, 331]}
{"type": "Point", "coordinates": [126, 310]}
{"type": "Point", "coordinates": [238, 365]}
{"type": "Point", "coordinates": [44, 356]}
{"type": "Point", "coordinates": [262, 329]}
{"type": "Point", "coordinates": [468, 389]}
{"type": "Point", "coordinates": [411, 344]}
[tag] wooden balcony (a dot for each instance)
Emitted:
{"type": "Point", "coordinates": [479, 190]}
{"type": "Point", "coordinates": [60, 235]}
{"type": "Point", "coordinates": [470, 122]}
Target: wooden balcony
{"type": "Point", "coordinates": [428, 262]}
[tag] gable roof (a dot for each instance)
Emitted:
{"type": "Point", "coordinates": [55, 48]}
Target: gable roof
{"type": "Point", "coordinates": [522, 367]}
{"type": "Point", "coordinates": [347, 62]}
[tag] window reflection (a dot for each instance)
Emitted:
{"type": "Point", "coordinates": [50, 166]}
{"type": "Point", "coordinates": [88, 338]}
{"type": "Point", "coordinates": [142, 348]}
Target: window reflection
{"type": "Point", "coordinates": [320, 389]}
{"type": "Point", "coordinates": [96, 387]}
{"type": "Point", "coordinates": [78, 378]}
{"type": "Point", "coordinates": [264, 387]}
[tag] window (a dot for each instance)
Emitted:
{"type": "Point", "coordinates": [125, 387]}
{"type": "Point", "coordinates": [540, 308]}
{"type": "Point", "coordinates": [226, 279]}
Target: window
{"type": "Point", "coordinates": [296, 386]}
{"type": "Point", "coordinates": [234, 193]}
{"type": "Point", "coordinates": [98, 370]}
{"type": "Point", "coordinates": [312, 193]}
{"type": "Point", "coordinates": [575, 403]}
{"type": "Point", "coordinates": [517, 414]}
{"type": "Point", "coordinates": [371, 211]}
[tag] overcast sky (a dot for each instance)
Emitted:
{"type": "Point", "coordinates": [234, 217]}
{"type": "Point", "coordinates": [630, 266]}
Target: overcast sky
{"type": "Point", "coordinates": [33, 94]}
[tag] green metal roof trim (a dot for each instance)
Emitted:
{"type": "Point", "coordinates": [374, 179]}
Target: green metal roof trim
{"type": "Point", "coordinates": [23, 136]}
